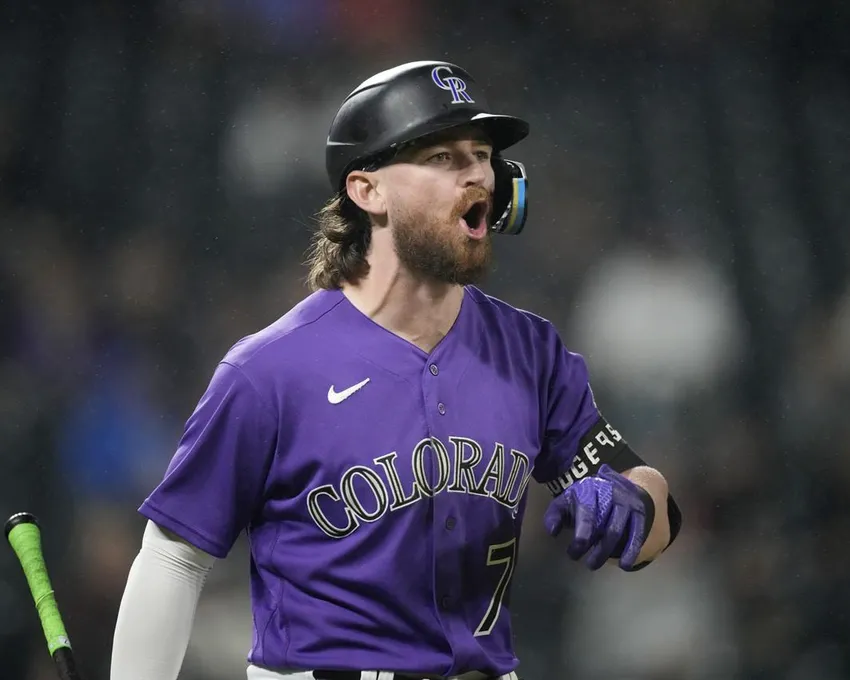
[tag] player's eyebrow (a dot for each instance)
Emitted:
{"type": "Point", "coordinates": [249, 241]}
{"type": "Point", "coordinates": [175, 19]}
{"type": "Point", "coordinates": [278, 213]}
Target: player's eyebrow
{"type": "Point", "coordinates": [415, 150]}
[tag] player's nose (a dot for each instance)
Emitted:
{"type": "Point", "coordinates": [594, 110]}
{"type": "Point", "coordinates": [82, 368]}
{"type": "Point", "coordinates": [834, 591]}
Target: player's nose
{"type": "Point", "coordinates": [474, 173]}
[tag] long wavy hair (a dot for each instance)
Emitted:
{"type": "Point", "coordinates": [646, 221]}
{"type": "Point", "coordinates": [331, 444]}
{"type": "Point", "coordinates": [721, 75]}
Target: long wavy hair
{"type": "Point", "coordinates": [337, 253]}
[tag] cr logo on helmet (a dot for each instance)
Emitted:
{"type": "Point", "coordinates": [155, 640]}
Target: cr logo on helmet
{"type": "Point", "coordinates": [452, 83]}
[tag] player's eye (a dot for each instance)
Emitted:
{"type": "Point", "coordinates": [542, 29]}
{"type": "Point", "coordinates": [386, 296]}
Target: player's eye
{"type": "Point", "coordinates": [440, 157]}
{"type": "Point", "coordinates": [483, 155]}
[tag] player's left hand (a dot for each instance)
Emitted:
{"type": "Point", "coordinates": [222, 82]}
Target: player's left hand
{"type": "Point", "coordinates": [611, 517]}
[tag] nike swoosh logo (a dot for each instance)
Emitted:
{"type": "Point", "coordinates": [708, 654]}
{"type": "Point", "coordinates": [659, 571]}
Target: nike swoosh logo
{"type": "Point", "coordinates": [336, 397]}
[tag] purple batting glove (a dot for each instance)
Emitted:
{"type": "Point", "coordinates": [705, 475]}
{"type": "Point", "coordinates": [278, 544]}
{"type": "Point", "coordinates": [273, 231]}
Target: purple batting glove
{"type": "Point", "coordinates": [609, 514]}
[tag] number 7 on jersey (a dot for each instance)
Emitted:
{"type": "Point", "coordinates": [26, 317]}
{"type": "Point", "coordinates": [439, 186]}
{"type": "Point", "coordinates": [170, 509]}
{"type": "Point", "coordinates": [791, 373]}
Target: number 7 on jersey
{"type": "Point", "coordinates": [498, 554]}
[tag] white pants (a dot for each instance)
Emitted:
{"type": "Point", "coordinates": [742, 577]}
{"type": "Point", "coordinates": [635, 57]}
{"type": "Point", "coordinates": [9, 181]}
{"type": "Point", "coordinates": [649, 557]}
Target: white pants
{"type": "Point", "coordinates": [257, 673]}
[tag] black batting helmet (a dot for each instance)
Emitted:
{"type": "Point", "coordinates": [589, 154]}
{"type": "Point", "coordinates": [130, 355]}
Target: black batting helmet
{"type": "Point", "coordinates": [416, 99]}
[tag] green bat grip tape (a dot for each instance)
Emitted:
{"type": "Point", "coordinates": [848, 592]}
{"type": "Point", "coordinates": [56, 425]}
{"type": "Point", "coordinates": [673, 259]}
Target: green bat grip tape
{"type": "Point", "coordinates": [25, 540]}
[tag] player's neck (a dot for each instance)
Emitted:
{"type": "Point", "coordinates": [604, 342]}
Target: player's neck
{"type": "Point", "coordinates": [419, 311]}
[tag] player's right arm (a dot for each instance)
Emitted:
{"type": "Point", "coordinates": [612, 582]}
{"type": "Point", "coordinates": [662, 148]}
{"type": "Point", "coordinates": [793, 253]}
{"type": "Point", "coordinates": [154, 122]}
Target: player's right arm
{"type": "Point", "coordinates": [209, 494]}
{"type": "Point", "coordinates": [158, 607]}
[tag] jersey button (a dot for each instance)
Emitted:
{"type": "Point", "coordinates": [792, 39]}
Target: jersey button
{"type": "Point", "coordinates": [450, 523]}
{"type": "Point", "coordinates": [445, 602]}
{"type": "Point", "coordinates": [434, 370]}
{"type": "Point", "coordinates": [441, 407]}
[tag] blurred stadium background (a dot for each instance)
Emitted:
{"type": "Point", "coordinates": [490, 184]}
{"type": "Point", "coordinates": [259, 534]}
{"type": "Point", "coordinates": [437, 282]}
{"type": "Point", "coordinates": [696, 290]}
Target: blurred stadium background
{"type": "Point", "coordinates": [690, 174]}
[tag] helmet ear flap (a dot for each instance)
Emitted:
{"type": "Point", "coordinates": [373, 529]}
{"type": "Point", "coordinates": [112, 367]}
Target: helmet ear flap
{"type": "Point", "coordinates": [510, 206]}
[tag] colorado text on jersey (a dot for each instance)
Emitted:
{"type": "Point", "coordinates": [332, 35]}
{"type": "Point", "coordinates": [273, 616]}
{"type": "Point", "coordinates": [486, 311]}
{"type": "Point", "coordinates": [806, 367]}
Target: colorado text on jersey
{"type": "Point", "coordinates": [457, 471]}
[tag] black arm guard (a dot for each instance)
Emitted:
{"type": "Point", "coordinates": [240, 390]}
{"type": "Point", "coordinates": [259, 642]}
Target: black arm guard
{"type": "Point", "coordinates": [603, 444]}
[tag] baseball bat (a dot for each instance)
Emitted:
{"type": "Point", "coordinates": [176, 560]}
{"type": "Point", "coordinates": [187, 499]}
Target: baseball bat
{"type": "Point", "coordinates": [24, 535]}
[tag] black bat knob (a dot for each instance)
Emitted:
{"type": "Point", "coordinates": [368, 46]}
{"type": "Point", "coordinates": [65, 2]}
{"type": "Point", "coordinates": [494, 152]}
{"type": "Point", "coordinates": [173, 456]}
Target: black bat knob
{"type": "Point", "coordinates": [19, 518]}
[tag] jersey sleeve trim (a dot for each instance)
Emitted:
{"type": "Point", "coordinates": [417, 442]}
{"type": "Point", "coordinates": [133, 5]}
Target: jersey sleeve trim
{"type": "Point", "coordinates": [188, 534]}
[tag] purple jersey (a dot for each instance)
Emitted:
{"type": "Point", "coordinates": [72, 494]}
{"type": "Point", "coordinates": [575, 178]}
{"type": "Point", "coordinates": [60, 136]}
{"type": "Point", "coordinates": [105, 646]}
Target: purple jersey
{"type": "Point", "coordinates": [382, 488]}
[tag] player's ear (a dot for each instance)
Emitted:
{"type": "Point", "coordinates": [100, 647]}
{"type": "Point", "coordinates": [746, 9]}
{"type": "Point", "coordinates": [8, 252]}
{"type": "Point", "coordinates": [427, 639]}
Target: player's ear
{"type": "Point", "coordinates": [362, 188]}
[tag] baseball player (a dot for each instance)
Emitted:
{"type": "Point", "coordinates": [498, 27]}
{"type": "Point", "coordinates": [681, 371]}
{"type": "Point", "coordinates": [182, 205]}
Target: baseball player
{"type": "Point", "coordinates": [377, 441]}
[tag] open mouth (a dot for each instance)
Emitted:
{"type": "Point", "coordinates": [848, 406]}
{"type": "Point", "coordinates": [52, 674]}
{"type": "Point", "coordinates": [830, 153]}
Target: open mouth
{"type": "Point", "coordinates": [475, 219]}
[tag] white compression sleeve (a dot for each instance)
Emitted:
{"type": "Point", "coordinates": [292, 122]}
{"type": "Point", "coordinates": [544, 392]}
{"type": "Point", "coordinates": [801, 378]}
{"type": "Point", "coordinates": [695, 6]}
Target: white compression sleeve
{"type": "Point", "coordinates": [157, 610]}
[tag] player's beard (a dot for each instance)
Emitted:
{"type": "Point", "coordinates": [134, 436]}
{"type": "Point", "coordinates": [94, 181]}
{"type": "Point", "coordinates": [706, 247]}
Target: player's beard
{"type": "Point", "coordinates": [434, 247]}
